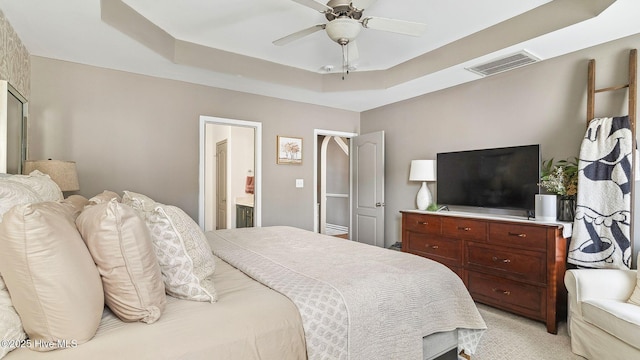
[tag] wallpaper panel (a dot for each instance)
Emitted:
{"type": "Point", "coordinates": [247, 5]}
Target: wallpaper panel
{"type": "Point", "coordinates": [15, 65]}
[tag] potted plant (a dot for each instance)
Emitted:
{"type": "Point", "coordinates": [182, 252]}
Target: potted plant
{"type": "Point", "coordinates": [561, 178]}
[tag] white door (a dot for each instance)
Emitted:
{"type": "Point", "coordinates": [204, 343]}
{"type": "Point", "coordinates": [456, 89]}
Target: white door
{"type": "Point", "coordinates": [367, 167]}
{"type": "Point", "coordinates": [221, 185]}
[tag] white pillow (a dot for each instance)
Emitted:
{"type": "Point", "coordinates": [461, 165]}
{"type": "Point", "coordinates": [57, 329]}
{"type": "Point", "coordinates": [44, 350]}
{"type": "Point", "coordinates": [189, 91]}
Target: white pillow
{"type": "Point", "coordinates": [185, 258]}
{"type": "Point", "coordinates": [14, 193]}
{"type": "Point", "coordinates": [10, 324]}
{"type": "Point", "coordinates": [42, 184]}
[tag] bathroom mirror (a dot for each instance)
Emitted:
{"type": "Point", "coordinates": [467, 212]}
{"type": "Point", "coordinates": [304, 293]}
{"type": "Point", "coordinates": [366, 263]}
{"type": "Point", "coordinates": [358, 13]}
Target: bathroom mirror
{"type": "Point", "coordinates": [13, 129]}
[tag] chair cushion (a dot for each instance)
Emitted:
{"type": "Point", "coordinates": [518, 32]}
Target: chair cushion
{"type": "Point", "coordinates": [620, 319]}
{"type": "Point", "coordinates": [53, 281]}
{"type": "Point", "coordinates": [635, 296]}
{"type": "Point", "coordinates": [120, 244]}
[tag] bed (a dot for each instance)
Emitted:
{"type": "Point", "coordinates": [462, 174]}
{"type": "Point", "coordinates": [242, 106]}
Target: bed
{"type": "Point", "coordinates": [357, 301]}
{"type": "Point", "coordinates": [280, 292]}
{"type": "Point", "coordinates": [249, 321]}
{"type": "Point", "coordinates": [296, 315]}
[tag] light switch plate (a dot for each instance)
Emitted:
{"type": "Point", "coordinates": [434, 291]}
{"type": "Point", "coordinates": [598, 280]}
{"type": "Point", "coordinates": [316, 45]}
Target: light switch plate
{"type": "Point", "coordinates": [299, 183]}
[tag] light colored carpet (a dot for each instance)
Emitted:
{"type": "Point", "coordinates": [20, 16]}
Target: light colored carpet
{"type": "Point", "coordinates": [510, 336]}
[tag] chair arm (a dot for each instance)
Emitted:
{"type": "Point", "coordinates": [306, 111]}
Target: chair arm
{"type": "Point", "coordinates": [610, 284]}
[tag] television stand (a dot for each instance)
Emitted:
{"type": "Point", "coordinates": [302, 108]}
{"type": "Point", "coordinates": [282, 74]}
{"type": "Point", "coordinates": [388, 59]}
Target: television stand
{"type": "Point", "coordinates": [509, 263]}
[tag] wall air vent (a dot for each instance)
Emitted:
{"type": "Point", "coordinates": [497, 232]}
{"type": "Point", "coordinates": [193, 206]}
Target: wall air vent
{"type": "Point", "coordinates": [504, 63]}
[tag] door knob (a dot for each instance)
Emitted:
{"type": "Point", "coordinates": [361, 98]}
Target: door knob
{"type": "Point", "coordinates": [379, 204]}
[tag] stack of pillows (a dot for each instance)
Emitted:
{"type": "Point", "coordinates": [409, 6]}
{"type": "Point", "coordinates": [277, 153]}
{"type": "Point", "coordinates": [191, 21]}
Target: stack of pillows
{"type": "Point", "coordinates": [63, 260]}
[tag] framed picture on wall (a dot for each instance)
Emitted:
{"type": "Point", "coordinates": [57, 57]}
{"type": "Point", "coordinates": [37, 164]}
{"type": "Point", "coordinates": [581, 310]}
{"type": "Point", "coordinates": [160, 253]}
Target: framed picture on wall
{"type": "Point", "coordinates": [289, 150]}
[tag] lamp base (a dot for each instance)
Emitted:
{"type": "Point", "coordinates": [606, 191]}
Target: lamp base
{"type": "Point", "coordinates": [546, 207]}
{"type": "Point", "coordinates": [423, 200]}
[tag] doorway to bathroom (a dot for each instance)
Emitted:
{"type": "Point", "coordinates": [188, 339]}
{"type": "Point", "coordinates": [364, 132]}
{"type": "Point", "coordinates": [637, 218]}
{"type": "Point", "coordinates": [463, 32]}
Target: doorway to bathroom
{"type": "Point", "coordinates": [230, 173]}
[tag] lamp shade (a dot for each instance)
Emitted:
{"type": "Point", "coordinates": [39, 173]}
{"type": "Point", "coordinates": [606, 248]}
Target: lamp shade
{"type": "Point", "coordinates": [61, 172]}
{"type": "Point", "coordinates": [422, 170]}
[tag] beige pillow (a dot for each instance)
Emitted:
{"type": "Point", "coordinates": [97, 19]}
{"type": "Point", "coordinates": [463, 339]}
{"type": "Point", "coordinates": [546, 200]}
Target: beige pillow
{"type": "Point", "coordinates": [54, 284]}
{"type": "Point", "coordinates": [120, 244]}
{"type": "Point", "coordinates": [10, 323]}
{"type": "Point", "coordinates": [138, 201]}
{"type": "Point", "coordinates": [184, 255]}
{"type": "Point", "coordinates": [104, 197]}
{"type": "Point", "coordinates": [76, 204]}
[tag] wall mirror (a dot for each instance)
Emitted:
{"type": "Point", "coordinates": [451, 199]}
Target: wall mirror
{"type": "Point", "coordinates": [13, 129]}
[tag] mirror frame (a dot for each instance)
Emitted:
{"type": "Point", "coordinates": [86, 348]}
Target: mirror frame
{"type": "Point", "coordinates": [8, 89]}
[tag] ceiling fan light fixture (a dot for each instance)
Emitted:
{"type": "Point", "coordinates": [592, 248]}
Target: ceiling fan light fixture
{"type": "Point", "coordinates": [343, 29]}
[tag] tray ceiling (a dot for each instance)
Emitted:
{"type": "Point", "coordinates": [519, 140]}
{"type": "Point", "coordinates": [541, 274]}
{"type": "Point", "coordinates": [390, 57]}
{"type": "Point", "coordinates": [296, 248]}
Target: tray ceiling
{"type": "Point", "coordinates": [228, 44]}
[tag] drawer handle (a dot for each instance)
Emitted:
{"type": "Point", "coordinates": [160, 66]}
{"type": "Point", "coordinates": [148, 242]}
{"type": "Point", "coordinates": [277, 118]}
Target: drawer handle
{"type": "Point", "coordinates": [517, 234]}
{"type": "Point", "coordinates": [503, 292]}
{"type": "Point", "coordinates": [432, 246]}
{"type": "Point", "coordinates": [422, 223]}
{"type": "Point", "coordinates": [496, 259]}
{"type": "Point", "coordinates": [464, 228]}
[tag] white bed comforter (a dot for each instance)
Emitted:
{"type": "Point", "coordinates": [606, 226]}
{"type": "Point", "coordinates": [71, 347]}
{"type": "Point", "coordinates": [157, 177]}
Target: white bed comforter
{"type": "Point", "coordinates": [356, 301]}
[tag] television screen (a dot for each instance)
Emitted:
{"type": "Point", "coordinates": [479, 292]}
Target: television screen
{"type": "Point", "coordinates": [501, 178]}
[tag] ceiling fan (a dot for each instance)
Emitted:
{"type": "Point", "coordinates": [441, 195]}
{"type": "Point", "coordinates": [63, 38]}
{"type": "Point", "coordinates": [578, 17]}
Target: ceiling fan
{"type": "Point", "coordinates": [345, 21]}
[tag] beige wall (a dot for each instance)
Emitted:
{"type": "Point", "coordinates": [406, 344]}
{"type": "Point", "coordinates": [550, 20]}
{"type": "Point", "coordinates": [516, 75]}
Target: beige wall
{"type": "Point", "coordinates": [128, 131]}
{"type": "Point", "coordinates": [139, 133]}
{"type": "Point", "coordinates": [542, 103]}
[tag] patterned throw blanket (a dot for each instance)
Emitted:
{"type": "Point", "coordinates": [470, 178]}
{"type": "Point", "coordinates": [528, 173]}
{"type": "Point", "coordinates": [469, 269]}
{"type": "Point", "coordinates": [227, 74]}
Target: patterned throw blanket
{"type": "Point", "coordinates": [356, 301]}
{"type": "Point", "coordinates": [602, 226]}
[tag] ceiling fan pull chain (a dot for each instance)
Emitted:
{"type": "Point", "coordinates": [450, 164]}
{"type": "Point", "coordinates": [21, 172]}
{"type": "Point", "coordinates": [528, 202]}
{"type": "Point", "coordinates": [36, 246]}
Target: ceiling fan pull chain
{"type": "Point", "coordinates": [344, 60]}
{"type": "Point", "coordinates": [346, 57]}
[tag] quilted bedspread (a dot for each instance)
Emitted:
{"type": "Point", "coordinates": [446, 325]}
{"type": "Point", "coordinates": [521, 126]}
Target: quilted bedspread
{"type": "Point", "coordinates": [356, 301]}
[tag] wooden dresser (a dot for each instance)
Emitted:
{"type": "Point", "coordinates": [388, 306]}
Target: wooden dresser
{"type": "Point", "coordinates": [514, 265]}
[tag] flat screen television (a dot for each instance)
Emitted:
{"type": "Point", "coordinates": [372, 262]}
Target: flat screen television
{"type": "Point", "coordinates": [501, 178]}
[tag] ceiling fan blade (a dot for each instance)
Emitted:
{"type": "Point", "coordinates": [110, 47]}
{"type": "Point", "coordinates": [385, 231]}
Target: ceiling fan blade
{"type": "Point", "coordinates": [352, 52]}
{"type": "Point", "coordinates": [362, 4]}
{"type": "Point", "coordinates": [396, 26]}
{"type": "Point", "coordinates": [315, 5]}
{"type": "Point", "coordinates": [298, 35]}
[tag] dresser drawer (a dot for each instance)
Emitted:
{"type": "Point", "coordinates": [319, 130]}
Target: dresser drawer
{"type": "Point", "coordinates": [435, 247]}
{"type": "Point", "coordinates": [468, 229]}
{"type": "Point", "coordinates": [507, 262]}
{"type": "Point", "coordinates": [510, 295]}
{"type": "Point", "coordinates": [529, 237]}
{"type": "Point", "coordinates": [422, 223]}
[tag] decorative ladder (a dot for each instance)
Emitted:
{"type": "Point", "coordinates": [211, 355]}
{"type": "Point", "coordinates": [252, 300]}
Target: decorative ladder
{"type": "Point", "coordinates": [632, 85]}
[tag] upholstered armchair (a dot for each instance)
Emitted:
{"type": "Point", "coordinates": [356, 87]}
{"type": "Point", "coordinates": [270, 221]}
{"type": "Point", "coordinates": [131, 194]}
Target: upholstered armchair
{"type": "Point", "coordinates": [601, 322]}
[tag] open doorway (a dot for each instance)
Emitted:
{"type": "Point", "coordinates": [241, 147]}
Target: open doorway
{"type": "Point", "coordinates": [366, 185]}
{"type": "Point", "coordinates": [230, 171]}
{"type": "Point", "coordinates": [332, 181]}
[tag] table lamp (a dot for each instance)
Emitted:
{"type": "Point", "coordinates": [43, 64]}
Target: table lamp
{"type": "Point", "coordinates": [423, 170]}
{"type": "Point", "coordinates": [61, 172]}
